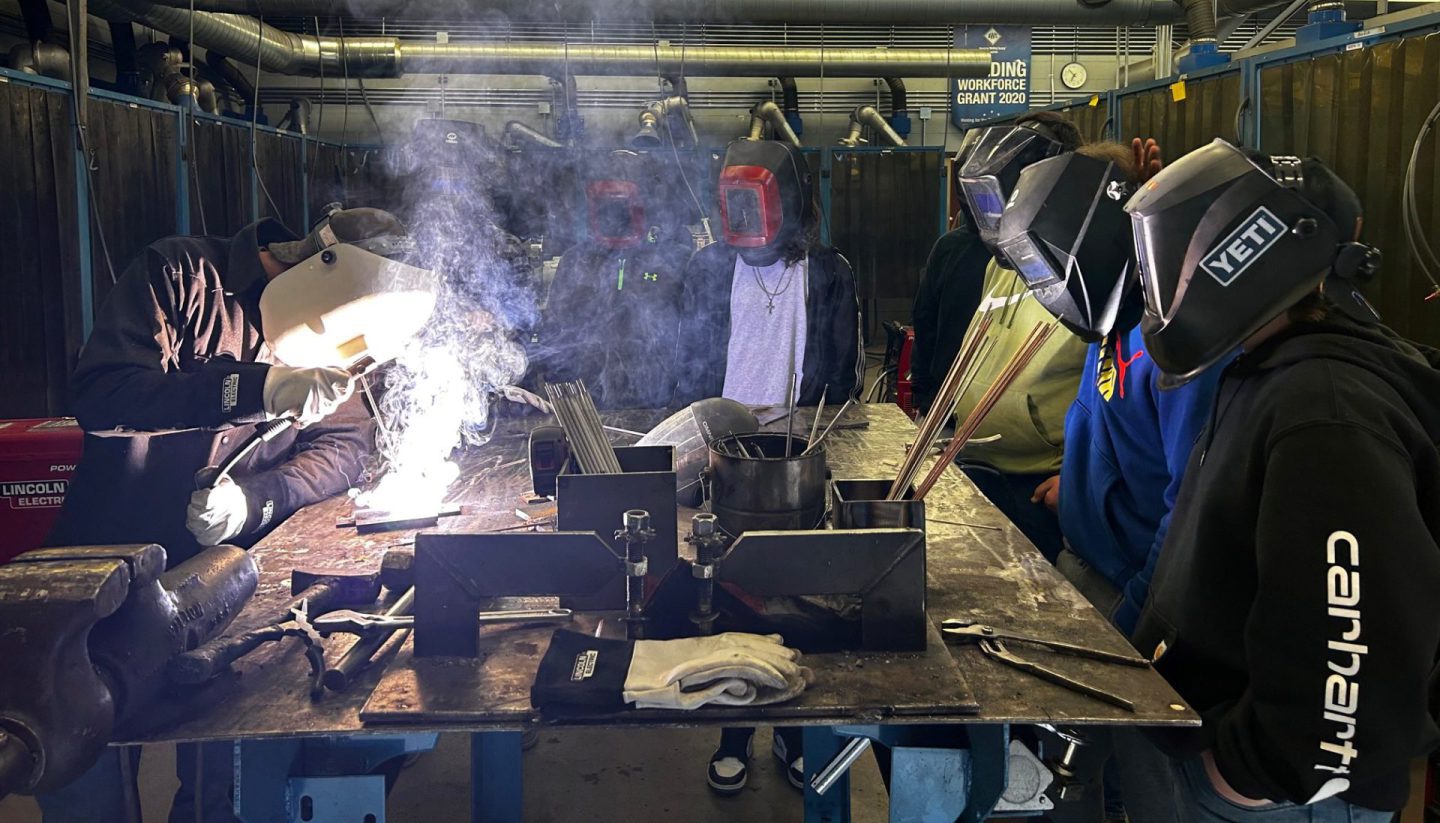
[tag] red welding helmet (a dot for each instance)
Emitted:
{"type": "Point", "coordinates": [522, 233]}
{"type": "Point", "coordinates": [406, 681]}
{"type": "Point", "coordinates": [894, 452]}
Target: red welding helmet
{"type": "Point", "coordinates": [616, 213]}
{"type": "Point", "coordinates": [763, 189]}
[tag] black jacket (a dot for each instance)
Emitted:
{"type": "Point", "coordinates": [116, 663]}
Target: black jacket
{"type": "Point", "coordinates": [1295, 599]}
{"type": "Point", "coordinates": [948, 296]}
{"type": "Point", "coordinates": [834, 361]}
{"type": "Point", "coordinates": [169, 382]}
{"type": "Point", "coordinates": [611, 320]}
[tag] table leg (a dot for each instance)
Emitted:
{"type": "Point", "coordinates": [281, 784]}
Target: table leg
{"type": "Point", "coordinates": [496, 783]}
{"type": "Point", "coordinates": [821, 746]}
{"type": "Point", "coordinates": [989, 770]}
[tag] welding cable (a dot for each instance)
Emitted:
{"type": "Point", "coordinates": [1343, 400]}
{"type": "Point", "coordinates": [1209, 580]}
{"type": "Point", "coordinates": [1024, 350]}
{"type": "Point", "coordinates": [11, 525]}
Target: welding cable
{"type": "Point", "coordinates": [1420, 247]}
{"type": "Point", "coordinates": [80, 73]}
{"type": "Point", "coordinates": [255, 118]}
{"type": "Point", "coordinates": [188, 126]}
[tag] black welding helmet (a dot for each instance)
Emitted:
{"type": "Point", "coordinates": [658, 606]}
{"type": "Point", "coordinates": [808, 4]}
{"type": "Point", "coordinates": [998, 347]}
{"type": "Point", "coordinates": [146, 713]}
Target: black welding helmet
{"type": "Point", "coordinates": [994, 166]}
{"type": "Point", "coordinates": [962, 154]}
{"type": "Point", "coordinates": [1224, 247]}
{"type": "Point", "coordinates": [614, 202]}
{"type": "Point", "coordinates": [1066, 233]}
{"type": "Point", "coordinates": [764, 192]}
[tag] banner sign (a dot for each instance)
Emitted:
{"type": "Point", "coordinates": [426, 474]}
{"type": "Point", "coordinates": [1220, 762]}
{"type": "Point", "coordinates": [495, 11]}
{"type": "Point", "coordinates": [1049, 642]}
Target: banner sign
{"type": "Point", "coordinates": [1007, 89]}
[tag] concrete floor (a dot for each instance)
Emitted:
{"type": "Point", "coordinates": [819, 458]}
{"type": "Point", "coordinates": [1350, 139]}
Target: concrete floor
{"type": "Point", "coordinates": [596, 775]}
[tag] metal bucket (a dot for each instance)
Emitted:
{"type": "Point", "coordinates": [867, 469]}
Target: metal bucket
{"type": "Point", "coordinates": [754, 487]}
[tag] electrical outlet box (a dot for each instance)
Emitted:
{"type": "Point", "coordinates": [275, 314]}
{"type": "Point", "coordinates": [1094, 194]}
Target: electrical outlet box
{"type": "Point", "coordinates": [442, 37]}
{"type": "Point", "coordinates": [542, 107]}
{"type": "Point", "coordinates": [925, 112]}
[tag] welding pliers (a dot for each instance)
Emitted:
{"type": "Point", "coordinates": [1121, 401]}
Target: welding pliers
{"type": "Point", "coordinates": [992, 644]}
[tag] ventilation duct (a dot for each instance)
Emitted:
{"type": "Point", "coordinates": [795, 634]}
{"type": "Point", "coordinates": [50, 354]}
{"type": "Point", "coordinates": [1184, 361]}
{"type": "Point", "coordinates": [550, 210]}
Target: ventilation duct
{"type": "Point", "coordinates": [44, 59]}
{"type": "Point", "coordinates": [899, 106]}
{"type": "Point", "coordinates": [517, 133]}
{"type": "Point", "coordinates": [908, 13]}
{"type": "Point", "coordinates": [790, 104]}
{"type": "Point", "coordinates": [767, 112]}
{"type": "Point", "coordinates": [283, 52]}
{"type": "Point", "coordinates": [864, 116]}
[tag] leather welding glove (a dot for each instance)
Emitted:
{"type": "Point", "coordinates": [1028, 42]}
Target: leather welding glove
{"type": "Point", "coordinates": [308, 395]}
{"type": "Point", "coordinates": [217, 514]}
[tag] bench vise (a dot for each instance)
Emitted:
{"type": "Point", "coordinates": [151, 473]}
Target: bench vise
{"type": "Point", "coordinates": [86, 633]}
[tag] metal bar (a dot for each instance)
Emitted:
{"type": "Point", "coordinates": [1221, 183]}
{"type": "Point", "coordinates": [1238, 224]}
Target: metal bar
{"type": "Point", "coordinates": [183, 146]}
{"type": "Point", "coordinates": [821, 745]}
{"type": "Point", "coordinates": [826, 198]}
{"type": "Point", "coordinates": [495, 778]}
{"type": "Point", "coordinates": [1270, 27]}
{"type": "Point", "coordinates": [989, 770]}
{"type": "Point", "coordinates": [840, 765]}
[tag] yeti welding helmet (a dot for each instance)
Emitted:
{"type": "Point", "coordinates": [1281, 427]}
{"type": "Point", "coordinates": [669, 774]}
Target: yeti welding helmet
{"type": "Point", "coordinates": [763, 189]}
{"type": "Point", "coordinates": [1224, 247]}
{"type": "Point", "coordinates": [1066, 233]}
{"type": "Point", "coordinates": [990, 173]}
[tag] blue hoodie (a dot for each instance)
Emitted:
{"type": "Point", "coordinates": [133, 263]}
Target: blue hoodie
{"type": "Point", "coordinates": [1126, 446]}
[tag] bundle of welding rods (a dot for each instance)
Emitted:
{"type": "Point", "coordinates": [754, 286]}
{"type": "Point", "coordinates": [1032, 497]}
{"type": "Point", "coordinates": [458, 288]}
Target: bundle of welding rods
{"type": "Point", "coordinates": [957, 382]}
{"type": "Point", "coordinates": [578, 416]}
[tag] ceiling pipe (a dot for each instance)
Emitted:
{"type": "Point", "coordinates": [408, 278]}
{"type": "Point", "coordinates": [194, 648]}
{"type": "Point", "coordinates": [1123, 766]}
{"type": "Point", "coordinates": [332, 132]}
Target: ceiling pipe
{"type": "Point", "coordinates": [886, 12]}
{"type": "Point", "coordinates": [282, 52]}
{"type": "Point", "coordinates": [43, 59]}
{"type": "Point", "coordinates": [767, 112]}
{"type": "Point", "coordinates": [864, 116]}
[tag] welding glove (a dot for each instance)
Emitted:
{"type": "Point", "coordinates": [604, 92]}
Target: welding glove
{"type": "Point", "coordinates": [730, 669]}
{"type": "Point", "coordinates": [308, 395]}
{"type": "Point", "coordinates": [217, 514]}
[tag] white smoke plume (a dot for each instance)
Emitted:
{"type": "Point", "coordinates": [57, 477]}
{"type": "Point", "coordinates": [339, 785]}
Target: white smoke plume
{"type": "Point", "coordinates": [438, 394]}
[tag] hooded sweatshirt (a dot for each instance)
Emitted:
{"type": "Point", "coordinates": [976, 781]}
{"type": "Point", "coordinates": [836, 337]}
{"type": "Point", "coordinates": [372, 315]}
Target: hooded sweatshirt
{"type": "Point", "coordinates": [1030, 415]}
{"type": "Point", "coordinates": [1294, 604]}
{"type": "Point", "coordinates": [1127, 442]}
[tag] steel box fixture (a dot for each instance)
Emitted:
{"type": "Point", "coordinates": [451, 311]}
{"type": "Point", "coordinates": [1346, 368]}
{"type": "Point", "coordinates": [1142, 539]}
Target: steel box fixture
{"type": "Point", "coordinates": [861, 504]}
{"type": "Point", "coordinates": [598, 502]}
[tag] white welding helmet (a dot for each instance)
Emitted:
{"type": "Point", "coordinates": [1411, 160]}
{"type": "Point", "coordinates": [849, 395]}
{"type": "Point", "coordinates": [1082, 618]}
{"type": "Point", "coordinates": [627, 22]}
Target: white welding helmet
{"type": "Point", "coordinates": [349, 294]}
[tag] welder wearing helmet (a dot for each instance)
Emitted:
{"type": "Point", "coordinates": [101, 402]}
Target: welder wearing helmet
{"type": "Point", "coordinates": [199, 339]}
{"type": "Point", "coordinates": [612, 315]}
{"type": "Point", "coordinates": [1018, 470]}
{"type": "Point", "coordinates": [949, 293]}
{"type": "Point", "coordinates": [1128, 435]}
{"type": "Point", "coordinates": [770, 300]}
{"type": "Point", "coordinates": [1293, 604]}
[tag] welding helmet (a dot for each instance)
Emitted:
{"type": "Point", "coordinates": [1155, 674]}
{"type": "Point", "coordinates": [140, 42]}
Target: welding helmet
{"type": "Point", "coordinates": [1225, 246]}
{"type": "Point", "coordinates": [1066, 233]}
{"type": "Point", "coordinates": [691, 431]}
{"type": "Point", "coordinates": [351, 292]}
{"type": "Point", "coordinates": [990, 173]}
{"type": "Point", "coordinates": [615, 204]}
{"type": "Point", "coordinates": [764, 193]}
{"type": "Point", "coordinates": [962, 154]}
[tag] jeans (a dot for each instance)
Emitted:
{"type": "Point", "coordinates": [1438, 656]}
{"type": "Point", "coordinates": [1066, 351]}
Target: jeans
{"type": "Point", "coordinates": [105, 791]}
{"type": "Point", "coordinates": [1196, 801]}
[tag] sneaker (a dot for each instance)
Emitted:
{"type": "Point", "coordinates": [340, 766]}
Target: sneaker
{"type": "Point", "coordinates": [794, 768]}
{"type": "Point", "coordinates": [728, 770]}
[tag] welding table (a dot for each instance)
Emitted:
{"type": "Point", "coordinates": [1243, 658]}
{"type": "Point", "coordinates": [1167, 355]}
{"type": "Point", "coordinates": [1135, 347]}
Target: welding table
{"type": "Point", "coordinates": [979, 567]}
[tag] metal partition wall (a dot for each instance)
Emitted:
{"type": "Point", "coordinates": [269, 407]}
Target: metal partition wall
{"type": "Point", "coordinates": [884, 217]}
{"type": "Point", "coordinates": [1360, 110]}
{"type": "Point", "coordinates": [40, 290]}
{"type": "Point", "coordinates": [148, 177]}
{"type": "Point", "coordinates": [1186, 113]}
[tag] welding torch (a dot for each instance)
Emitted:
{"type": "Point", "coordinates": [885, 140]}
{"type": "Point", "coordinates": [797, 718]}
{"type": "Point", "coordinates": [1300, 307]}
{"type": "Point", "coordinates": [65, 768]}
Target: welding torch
{"type": "Point", "coordinates": [212, 476]}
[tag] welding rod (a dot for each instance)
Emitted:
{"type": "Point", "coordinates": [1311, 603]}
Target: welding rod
{"type": "Point", "coordinates": [907, 477]}
{"type": "Point", "coordinates": [1033, 343]}
{"type": "Point", "coordinates": [790, 421]}
{"type": "Point", "coordinates": [836, 419]}
{"type": "Point", "coordinates": [946, 400]}
{"type": "Point", "coordinates": [815, 426]}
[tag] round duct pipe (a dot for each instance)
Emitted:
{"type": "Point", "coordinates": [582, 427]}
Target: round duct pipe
{"type": "Point", "coordinates": [886, 12]}
{"type": "Point", "coordinates": [247, 40]}
{"type": "Point", "coordinates": [43, 59]}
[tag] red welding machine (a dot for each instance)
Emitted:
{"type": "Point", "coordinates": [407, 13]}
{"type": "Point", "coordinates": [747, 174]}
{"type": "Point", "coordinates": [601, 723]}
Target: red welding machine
{"type": "Point", "coordinates": [37, 460]}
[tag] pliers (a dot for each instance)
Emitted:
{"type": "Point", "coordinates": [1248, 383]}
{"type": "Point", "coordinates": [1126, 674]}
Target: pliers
{"type": "Point", "coordinates": [992, 644]}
